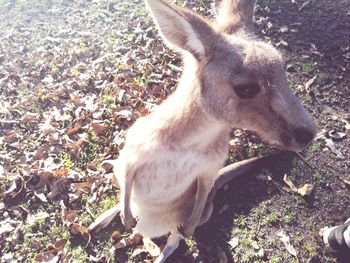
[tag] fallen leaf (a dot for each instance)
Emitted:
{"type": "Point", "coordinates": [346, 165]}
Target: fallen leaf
{"type": "Point", "coordinates": [98, 128]}
{"type": "Point", "coordinates": [41, 196]}
{"type": "Point", "coordinates": [61, 172]}
{"type": "Point", "coordinates": [151, 247]}
{"type": "Point", "coordinates": [290, 183]}
{"type": "Point", "coordinates": [306, 189]}
{"type": "Point", "coordinates": [304, 5]}
{"type": "Point", "coordinates": [284, 29]}
{"type": "Point", "coordinates": [124, 114]}
{"type": "Point", "coordinates": [48, 256]}
{"type": "Point", "coordinates": [337, 135]}
{"type": "Point", "coordinates": [74, 130]}
{"type": "Point", "coordinates": [233, 242]}
{"type": "Point", "coordinates": [286, 242]}
{"type": "Point", "coordinates": [10, 137]}
{"type": "Point", "coordinates": [255, 245]}
{"type": "Point", "coordinates": [347, 124]}
{"type": "Point", "coordinates": [70, 215]}
{"type": "Point", "coordinates": [330, 144]}
{"type": "Point", "coordinates": [59, 245]}
{"type": "Point", "coordinates": [6, 228]}
{"type": "Point", "coordinates": [321, 135]}
{"type": "Point", "coordinates": [32, 218]}
{"type": "Point", "coordinates": [80, 229]}
{"type": "Point", "coordinates": [138, 251]}
{"type": "Point", "coordinates": [309, 83]}
{"type": "Point", "coordinates": [346, 182]}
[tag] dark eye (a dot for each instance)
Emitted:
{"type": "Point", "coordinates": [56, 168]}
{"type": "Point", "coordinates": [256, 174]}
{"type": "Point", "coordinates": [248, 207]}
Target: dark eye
{"type": "Point", "coordinates": [247, 91]}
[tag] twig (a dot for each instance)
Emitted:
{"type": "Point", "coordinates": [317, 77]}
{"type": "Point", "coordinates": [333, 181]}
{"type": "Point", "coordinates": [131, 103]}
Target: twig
{"type": "Point", "coordinates": [304, 160]}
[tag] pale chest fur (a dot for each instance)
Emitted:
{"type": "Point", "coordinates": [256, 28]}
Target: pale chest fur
{"type": "Point", "coordinates": [163, 171]}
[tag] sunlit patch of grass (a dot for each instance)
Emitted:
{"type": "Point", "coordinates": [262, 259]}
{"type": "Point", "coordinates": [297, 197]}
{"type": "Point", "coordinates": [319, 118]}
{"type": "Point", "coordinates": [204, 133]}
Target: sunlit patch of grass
{"type": "Point", "coordinates": [79, 254]}
{"type": "Point", "coordinates": [289, 218]}
{"type": "Point", "coordinates": [67, 162]}
{"type": "Point", "coordinates": [270, 219]}
{"type": "Point", "coordinates": [275, 259]}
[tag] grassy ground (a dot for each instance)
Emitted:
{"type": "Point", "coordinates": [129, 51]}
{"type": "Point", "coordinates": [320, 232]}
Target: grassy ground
{"type": "Point", "coordinates": [74, 75]}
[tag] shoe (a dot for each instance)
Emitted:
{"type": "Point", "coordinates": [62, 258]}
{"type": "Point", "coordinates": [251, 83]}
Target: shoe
{"type": "Point", "coordinates": [337, 238]}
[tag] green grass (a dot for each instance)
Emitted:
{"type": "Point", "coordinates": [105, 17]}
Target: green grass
{"type": "Point", "coordinates": [275, 259]}
{"type": "Point", "coordinates": [308, 68]}
{"type": "Point", "coordinates": [317, 146]}
{"type": "Point", "coordinates": [321, 79]}
{"type": "Point", "coordinates": [290, 218]}
{"type": "Point", "coordinates": [271, 219]}
{"type": "Point", "coordinates": [320, 178]}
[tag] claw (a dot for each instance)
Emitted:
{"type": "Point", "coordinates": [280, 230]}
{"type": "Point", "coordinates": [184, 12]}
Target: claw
{"type": "Point", "coordinates": [185, 231]}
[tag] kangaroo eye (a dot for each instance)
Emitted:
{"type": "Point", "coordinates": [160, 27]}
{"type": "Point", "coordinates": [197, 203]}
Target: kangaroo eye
{"type": "Point", "coordinates": [247, 91]}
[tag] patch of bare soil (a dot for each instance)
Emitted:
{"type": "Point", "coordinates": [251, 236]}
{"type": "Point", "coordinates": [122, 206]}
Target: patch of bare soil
{"type": "Point", "coordinates": [74, 75]}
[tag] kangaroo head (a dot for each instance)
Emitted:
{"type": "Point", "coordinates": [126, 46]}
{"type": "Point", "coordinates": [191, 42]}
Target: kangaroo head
{"type": "Point", "coordinates": [241, 79]}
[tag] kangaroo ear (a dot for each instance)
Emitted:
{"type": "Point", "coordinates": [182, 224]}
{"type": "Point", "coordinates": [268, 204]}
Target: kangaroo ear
{"type": "Point", "coordinates": [182, 28]}
{"type": "Point", "coordinates": [234, 14]}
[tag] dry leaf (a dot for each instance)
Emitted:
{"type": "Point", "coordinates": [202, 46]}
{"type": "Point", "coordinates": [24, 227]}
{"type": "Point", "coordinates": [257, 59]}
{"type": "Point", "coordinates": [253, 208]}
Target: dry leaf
{"type": "Point", "coordinates": [32, 218]}
{"type": "Point", "coordinates": [255, 245]}
{"type": "Point", "coordinates": [290, 183]}
{"type": "Point", "coordinates": [70, 215]}
{"type": "Point", "coordinates": [330, 144]}
{"type": "Point", "coordinates": [309, 83]}
{"type": "Point", "coordinates": [139, 250]}
{"type": "Point", "coordinates": [47, 256]}
{"type": "Point", "coordinates": [151, 247]}
{"type": "Point", "coordinates": [61, 172]}
{"type": "Point", "coordinates": [79, 229]}
{"type": "Point", "coordinates": [337, 135]}
{"type": "Point", "coordinates": [6, 228]}
{"type": "Point", "coordinates": [286, 242]}
{"type": "Point", "coordinates": [59, 245]}
{"type": "Point", "coordinates": [306, 189]}
{"type": "Point", "coordinates": [234, 242]}
{"type": "Point", "coordinates": [304, 5]}
{"type": "Point", "coordinates": [347, 124]}
{"type": "Point", "coordinates": [346, 182]}
{"type": "Point", "coordinates": [10, 137]}
{"type": "Point", "coordinates": [74, 130]}
{"type": "Point", "coordinates": [98, 128]}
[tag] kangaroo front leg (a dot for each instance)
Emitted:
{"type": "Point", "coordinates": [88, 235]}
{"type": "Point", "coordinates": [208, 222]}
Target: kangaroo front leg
{"type": "Point", "coordinates": [105, 218]}
{"type": "Point", "coordinates": [126, 216]}
{"type": "Point", "coordinates": [204, 186]}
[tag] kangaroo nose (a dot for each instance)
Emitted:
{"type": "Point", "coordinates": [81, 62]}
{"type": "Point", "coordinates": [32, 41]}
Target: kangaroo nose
{"type": "Point", "coordinates": [303, 136]}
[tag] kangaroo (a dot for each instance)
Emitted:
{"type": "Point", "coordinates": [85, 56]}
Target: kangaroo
{"type": "Point", "coordinates": [168, 168]}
